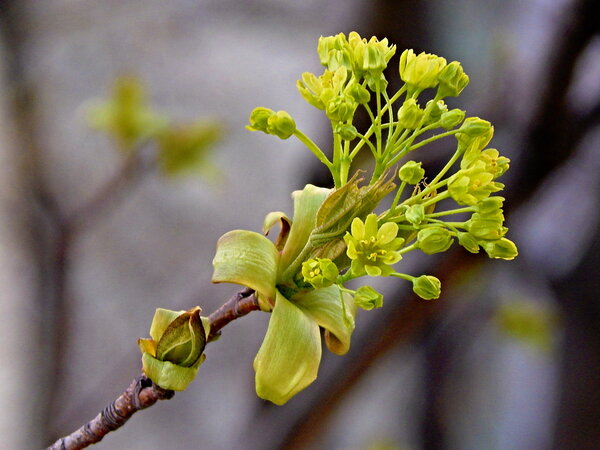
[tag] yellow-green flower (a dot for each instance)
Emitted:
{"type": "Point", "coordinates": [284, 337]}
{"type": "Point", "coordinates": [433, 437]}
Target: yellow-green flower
{"type": "Point", "coordinates": [373, 249]}
{"type": "Point", "coordinates": [422, 70]}
{"type": "Point", "coordinates": [320, 272]}
{"type": "Point", "coordinates": [368, 298]}
{"type": "Point", "coordinates": [470, 186]}
{"type": "Point", "coordinates": [452, 79]}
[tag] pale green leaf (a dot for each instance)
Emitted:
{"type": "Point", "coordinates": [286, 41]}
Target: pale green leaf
{"type": "Point", "coordinates": [168, 375]}
{"type": "Point", "coordinates": [331, 311]}
{"type": "Point", "coordinates": [246, 258]}
{"type": "Point", "coordinates": [306, 205]}
{"type": "Point", "coordinates": [289, 357]}
{"type": "Point", "coordinates": [161, 320]}
{"type": "Point", "coordinates": [285, 223]}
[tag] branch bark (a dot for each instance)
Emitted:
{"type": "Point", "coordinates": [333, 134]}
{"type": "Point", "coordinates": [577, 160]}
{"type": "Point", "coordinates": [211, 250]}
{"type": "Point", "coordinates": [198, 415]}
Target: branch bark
{"type": "Point", "coordinates": [142, 392]}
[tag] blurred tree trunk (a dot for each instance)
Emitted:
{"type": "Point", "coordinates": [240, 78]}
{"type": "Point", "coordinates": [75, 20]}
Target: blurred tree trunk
{"type": "Point", "coordinates": [23, 362]}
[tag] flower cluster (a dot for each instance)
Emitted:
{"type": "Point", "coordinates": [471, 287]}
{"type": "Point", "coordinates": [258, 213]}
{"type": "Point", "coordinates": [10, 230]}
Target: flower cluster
{"type": "Point", "coordinates": [335, 236]}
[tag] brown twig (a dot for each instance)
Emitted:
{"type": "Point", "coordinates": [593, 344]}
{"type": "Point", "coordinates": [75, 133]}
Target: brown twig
{"type": "Point", "coordinates": [142, 392]}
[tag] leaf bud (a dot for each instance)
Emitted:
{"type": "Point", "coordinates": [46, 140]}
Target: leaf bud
{"type": "Point", "coordinates": [427, 287]}
{"type": "Point", "coordinates": [434, 240]}
{"type": "Point", "coordinates": [452, 80]}
{"type": "Point", "coordinates": [410, 114]}
{"type": "Point", "coordinates": [368, 298]}
{"type": "Point", "coordinates": [452, 118]}
{"type": "Point", "coordinates": [172, 357]}
{"type": "Point", "coordinates": [411, 172]}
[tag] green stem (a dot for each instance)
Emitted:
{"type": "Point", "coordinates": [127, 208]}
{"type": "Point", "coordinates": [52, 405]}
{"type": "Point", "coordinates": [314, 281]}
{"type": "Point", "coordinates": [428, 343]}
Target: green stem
{"type": "Point", "coordinates": [392, 209]}
{"type": "Point", "coordinates": [403, 276]}
{"type": "Point", "coordinates": [345, 278]}
{"type": "Point", "coordinates": [447, 167]}
{"type": "Point", "coordinates": [357, 148]}
{"type": "Point", "coordinates": [313, 147]}
{"type": "Point", "coordinates": [337, 160]}
{"type": "Point", "coordinates": [431, 139]}
{"type": "Point", "coordinates": [452, 211]}
{"type": "Point", "coordinates": [409, 248]}
{"type": "Point", "coordinates": [436, 199]}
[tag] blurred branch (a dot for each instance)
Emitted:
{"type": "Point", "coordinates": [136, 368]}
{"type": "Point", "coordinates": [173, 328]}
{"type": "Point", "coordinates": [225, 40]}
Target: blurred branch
{"type": "Point", "coordinates": [578, 413]}
{"type": "Point", "coordinates": [553, 135]}
{"type": "Point", "coordinates": [142, 392]}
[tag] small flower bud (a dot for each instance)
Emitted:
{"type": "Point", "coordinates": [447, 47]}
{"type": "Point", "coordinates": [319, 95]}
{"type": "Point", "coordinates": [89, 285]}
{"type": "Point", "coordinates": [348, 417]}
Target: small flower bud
{"type": "Point", "coordinates": [411, 172]}
{"type": "Point", "coordinates": [410, 114]}
{"type": "Point", "coordinates": [340, 109]}
{"type": "Point", "coordinates": [468, 242]}
{"type": "Point", "coordinates": [359, 93]}
{"type": "Point", "coordinates": [328, 45]}
{"type": "Point", "coordinates": [420, 71]}
{"type": "Point", "coordinates": [452, 118]}
{"type": "Point", "coordinates": [281, 125]}
{"type": "Point", "coordinates": [452, 80]}
{"type": "Point", "coordinates": [427, 287]}
{"type": "Point", "coordinates": [319, 272]}
{"type": "Point", "coordinates": [368, 298]}
{"type": "Point", "coordinates": [434, 240]}
{"type": "Point", "coordinates": [502, 248]}
{"type": "Point", "coordinates": [490, 228]}
{"type": "Point", "coordinates": [346, 132]}
{"type": "Point", "coordinates": [490, 206]}
{"type": "Point", "coordinates": [415, 214]}
{"type": "Point", "coordinates": [434, 110]}
{"type": "Point", "coordinates": [259, 118]}
{"type": "Point", "coordinates": [474, 126]}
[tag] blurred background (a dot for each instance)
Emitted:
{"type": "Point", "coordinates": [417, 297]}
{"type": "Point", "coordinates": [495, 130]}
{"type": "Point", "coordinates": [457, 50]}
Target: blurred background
{"type": "Point", "coordinates": [508, 358]}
